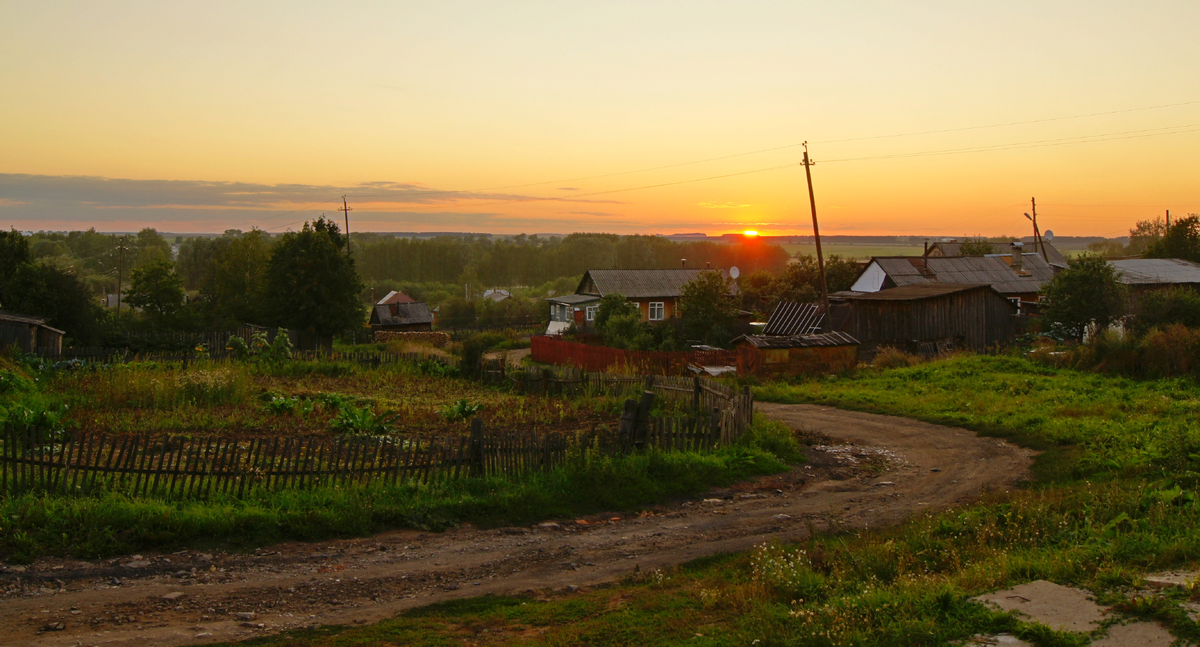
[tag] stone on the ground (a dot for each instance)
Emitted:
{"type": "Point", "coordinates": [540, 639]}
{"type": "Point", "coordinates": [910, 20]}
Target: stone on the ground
{"type": "Point", "coordinates": [1059, 607]}
{"type": "Point", "coordinates": [1171, 579]}
{"type": "Point", "coordinates": [1140, 634]}
{"type": "Point", "coordinates": [173, 596]}
{"type": "Point", "coordinates": [999, 640]}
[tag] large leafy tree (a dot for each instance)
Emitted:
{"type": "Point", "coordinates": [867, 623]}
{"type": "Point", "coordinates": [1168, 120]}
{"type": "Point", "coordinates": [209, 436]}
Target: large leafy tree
{"type": "Point", "coordinates": [58, 294]}
{"type": "Point", "coordinates": [235, 280]}
{"type": "Point", "coordinates": [709, 308]}
{"type": "Point", "coordinates": [157, 290]}
{"type": "Point", "coordinates": [620, 323]}
{"type": "Point", "coordinates": [1086, 292]}
{"type": "Point", "coordinates": [14, 252]}
{"type": "Point", "coordinates": [1181, 240]}
{"type": "Point", "coordinates": [312, 283]}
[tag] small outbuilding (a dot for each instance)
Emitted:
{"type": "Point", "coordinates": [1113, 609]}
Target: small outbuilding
{"type": "Point", "coordinates": [401, 317]}
{"type": "Point", "coordinates": [774, 355]}
{"type": "Point", "coordinates": [926, 318]}
{"type": "Point", "coordinates": [29, 333]}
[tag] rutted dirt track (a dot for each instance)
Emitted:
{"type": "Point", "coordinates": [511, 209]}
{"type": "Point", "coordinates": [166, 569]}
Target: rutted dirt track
{"type": "Point", "coordinates": [873, 470]}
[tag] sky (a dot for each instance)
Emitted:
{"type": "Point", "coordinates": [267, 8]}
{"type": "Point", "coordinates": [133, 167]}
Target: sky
{"type": "Point", "coordinates": [626, 117]}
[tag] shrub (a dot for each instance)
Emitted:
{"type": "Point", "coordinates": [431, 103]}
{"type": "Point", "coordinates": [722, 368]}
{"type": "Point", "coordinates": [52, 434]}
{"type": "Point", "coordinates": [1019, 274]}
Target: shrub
{"type": "Point", "coordinates": [473, 348]}
{"type": "Point", "coordinates": [460, 410]}
{"type": "Point", "coordinates": [1160, 309]}
{"type": "Point", "coordinates": [363, 421]}
{"type": "Point", "coordinates": [1170, 351]}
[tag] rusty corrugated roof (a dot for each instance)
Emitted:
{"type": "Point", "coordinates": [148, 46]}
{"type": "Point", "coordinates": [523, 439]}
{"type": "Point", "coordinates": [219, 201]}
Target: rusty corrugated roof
{"type": "Point", "coordinates": [799, 341]}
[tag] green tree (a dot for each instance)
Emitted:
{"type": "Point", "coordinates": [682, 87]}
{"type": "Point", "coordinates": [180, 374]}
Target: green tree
{"type": "Point", "coordinates": [977, 246]}
{"type": "Point", "coordinates": [610, 306]}
{"type": "Point", "coordinates": [1145, 233]}
{"type": "Point", "coordinates": [709, 308]}
{"type": "Point", "coordinates": [150, 247]}
{"type": "Point", "coordinates": [1106, 248]}
{"type": "Point", "coordinates": [61, 296]}
{"type": "Point", "coordinates": [14, 252]}
{"type": "Point", "coordinates": [157, 290]}
{"type": "Point", "coordinates": [312, 284]}
{"type": "Point", "coordinates": [1086, 292]}
{"type": "Point", "coordinates": [234, 285]}
{"type": "Point", "coordinates": [1182, 240]}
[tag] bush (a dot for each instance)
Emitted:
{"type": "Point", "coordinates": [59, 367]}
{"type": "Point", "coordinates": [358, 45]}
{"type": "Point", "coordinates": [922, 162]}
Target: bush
{"type": "Point", "coordinates": [363, 421]}
{"type": "Point", "coordinates": [474, 347]}
{"type": "Point", "coordinates": [1169, 352]}
{"type": "Point", "coordinates": [460, 410]}
{"type": "Point", "coordinates": [1160, 309]}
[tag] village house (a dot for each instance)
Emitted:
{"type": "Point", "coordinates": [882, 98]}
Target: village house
{"type": "Point", "coordinates": [954, 248]}
{"type": "Point", "coordinates": [1142, 275]}
{"type": "Point", "coordinates": [1018, 275]}
{"type": "Point", "coordinates": [656, 293]}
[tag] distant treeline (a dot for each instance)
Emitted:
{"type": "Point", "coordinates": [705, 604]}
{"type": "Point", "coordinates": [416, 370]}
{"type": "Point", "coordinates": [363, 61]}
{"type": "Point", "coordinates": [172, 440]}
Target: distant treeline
{"type": "Point", "coordinates": [530, 260]}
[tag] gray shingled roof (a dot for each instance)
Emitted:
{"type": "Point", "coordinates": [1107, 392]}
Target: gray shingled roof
{"type": "Point", "coordinates": [404, 314]}
{"type": "Point", "coordinates": [1156, 271]}
{"type": "Point", "coordinates": [1055, 257]}
{"type": "Point", "coordinates": [799, 341]}
{"type": "Point", "coordinates": [641, 284]}
{"type": "Point", "coordinates": [972, 270]}
{"type": "Point", "coordinates": [790, 318]}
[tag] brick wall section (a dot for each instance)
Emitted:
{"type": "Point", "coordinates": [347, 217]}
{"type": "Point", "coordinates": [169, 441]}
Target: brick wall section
{"type": "Point", "coordinates": [436, 339]}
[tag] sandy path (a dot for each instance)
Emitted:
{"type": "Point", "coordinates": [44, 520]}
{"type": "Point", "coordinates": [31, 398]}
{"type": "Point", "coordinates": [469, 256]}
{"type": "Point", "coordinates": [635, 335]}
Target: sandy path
{"type": "Point", "coordinates": [875, 471]}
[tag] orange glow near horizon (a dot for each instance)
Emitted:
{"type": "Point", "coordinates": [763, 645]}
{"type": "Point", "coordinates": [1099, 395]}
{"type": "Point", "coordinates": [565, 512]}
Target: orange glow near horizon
{"type": "Point", "coordinates": [651, 118]}
{"type": "Point", "coordinates": [749, 233]}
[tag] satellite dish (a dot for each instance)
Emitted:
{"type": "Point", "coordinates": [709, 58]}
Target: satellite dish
{"type": "Point", "coordinates": [1049, 235]}
{"type": "Point", "coordinates": [734, 272]}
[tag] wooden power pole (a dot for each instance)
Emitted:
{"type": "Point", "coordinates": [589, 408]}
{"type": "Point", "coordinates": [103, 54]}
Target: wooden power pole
{"type": "Point", "coordinates": [120, 268]}
{"type": "Point", "coordinates": [346, 210]}
{"type": "Point", "coordinates": [812, 203]}
{"type": "Point", "coordinates": [1039, 245]}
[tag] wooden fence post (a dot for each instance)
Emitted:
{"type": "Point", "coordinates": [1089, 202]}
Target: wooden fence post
{"type": "Point", "coordinates": [696, 392]}
{"type": "Point", "coordinates": [628, 424]}
{"type": "Point", "coordinates": [643, 419]}
{"type": "Point", "coordinates": [714, 425]}
{"type": "Point", "coordinates": [476, 449]}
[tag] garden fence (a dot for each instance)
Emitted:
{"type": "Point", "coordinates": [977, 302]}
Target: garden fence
{"type": "Point", "coordinates": [550, 350]}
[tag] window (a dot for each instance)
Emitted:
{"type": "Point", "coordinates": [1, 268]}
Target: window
{"type": "Point", "coordinates": [657, 311]}
{"type": "Point", "coordinates": [591, 312]}
{"type": "Point", "coordinates": [553, 312]}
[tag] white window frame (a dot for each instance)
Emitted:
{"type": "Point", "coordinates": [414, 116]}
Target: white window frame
{"type": "Point", "coordinates": [661, 306]}
{"type": "Point", "coordinates": [590, 312]}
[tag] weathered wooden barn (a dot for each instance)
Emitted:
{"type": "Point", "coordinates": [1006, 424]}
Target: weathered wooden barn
{"type": "Point", "coordinates": [774, 355]}
{"type": "Point", "coordinates": [29, 333]}
{"type": "Point", "coordinates": [926, 318]}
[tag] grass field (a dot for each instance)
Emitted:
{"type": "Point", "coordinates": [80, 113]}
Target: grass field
{"type": "Point", "coordinates": [1115, 498]}
{"type": "Point", "coordinates": [864, 252]}
{"type": "Point", "coordinates": [302, 398]}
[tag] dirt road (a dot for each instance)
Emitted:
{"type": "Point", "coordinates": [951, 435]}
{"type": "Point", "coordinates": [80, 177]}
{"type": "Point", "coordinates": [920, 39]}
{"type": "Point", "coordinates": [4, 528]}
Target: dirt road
{"type": "Point", "coordinates": [871, 471]}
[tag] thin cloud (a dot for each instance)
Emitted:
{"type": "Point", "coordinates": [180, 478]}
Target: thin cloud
{"type": "Point", "coordinates": [721, 205]}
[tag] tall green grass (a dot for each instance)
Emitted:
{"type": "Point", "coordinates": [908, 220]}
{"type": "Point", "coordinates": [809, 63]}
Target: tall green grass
{"type": "Point", "coordinates": [114, 523]}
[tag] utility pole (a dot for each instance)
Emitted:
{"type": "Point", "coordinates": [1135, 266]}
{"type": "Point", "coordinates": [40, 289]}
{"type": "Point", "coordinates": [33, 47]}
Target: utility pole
{"type": "Point", "coordinates": [346, 210]}
{"type": "Point", "coordinates": [812, 203]}
{"type": "Point", "coordinates": [1168, 219]}
{"type": "Point", "coordinates": [120, 267]}
{"type": "Point", "coordinates": [1037, 235]}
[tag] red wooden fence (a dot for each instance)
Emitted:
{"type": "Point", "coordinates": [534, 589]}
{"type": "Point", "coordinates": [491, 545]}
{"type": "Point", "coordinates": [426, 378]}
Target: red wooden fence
{"type": "Point", "coordinates": [550, 350]}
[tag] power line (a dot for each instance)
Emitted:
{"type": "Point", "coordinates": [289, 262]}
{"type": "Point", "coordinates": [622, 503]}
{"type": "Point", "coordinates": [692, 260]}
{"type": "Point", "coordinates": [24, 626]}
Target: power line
{"type": "Point", "coordinates": [787, 146]}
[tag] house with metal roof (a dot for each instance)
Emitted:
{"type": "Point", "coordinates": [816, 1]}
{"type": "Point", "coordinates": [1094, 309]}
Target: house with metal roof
{"type": "Point", "coordinates": [954, 248]}
{"type": "Point", "coordinates": [656, 292]}
{"type": "Point", "coordinates": [29, 333]}
{"type": "Point", "coordinates": [395, 296]}
{"type": "Point", "coordinates": [1150, 273]}
{"type": "Point", "coordinates": [414, 316]}
{"type": "Point", "coordinates": [926, 318]}
{"type": "Point", "coordinates": [772, 355]}
{"type": "Point", "coordinates": [1018, 276]}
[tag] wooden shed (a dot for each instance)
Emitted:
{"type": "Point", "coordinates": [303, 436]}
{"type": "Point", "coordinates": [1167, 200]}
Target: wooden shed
{"type": "Point", "coordinates": [401, 317]}
{"type": "Point", "coordinates": [773, 355]}
{"type": "Point", "coordinates": [926, 318]}
{"type": "Point", "coordinates": [29, 333]}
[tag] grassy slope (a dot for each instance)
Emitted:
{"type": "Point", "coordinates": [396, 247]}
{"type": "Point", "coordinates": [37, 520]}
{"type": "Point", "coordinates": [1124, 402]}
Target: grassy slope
{"type": "Point", "coordinates": [1116, 498]}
